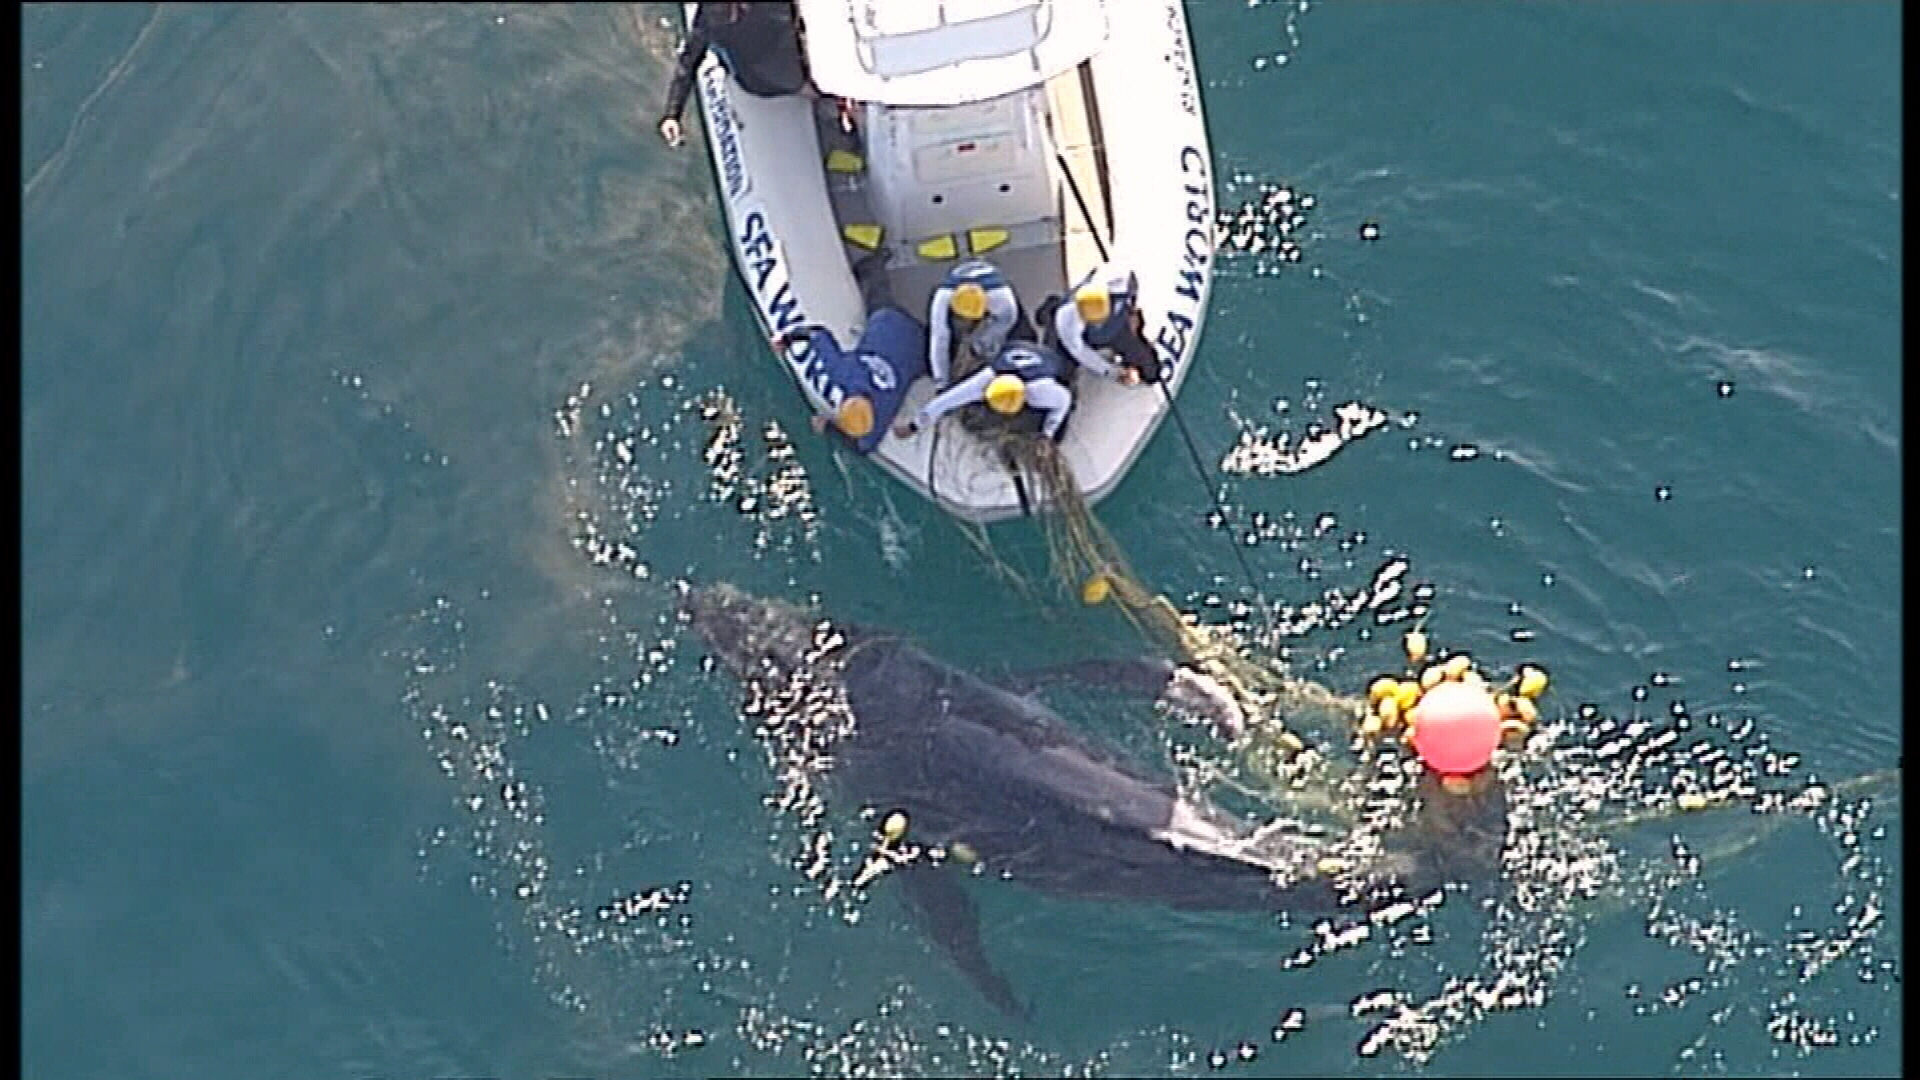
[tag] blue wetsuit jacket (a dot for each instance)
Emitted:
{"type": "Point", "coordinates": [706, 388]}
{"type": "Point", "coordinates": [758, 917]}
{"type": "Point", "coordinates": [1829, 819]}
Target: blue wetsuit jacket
{"type": "Point", "coordinates": [891, 353]}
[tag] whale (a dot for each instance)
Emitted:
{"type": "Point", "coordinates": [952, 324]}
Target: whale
{"type": "Point", "coordinates": [980, 768]}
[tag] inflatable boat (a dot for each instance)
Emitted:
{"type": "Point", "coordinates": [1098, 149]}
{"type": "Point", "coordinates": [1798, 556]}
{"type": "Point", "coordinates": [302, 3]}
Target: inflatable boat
{"type": "Point", "coordinates": [1047, 136]}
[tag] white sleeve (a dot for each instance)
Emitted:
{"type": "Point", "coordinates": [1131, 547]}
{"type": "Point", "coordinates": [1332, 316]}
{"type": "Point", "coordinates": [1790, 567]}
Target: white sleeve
{"type": "Point", "coordinates": [965, 392]}
{"type": "Point", "coordinates": [1002, 308]}
{"type": "Point", "coordinates": [939, 337]}
{"type": "Point", "coordinates": [1072, 332]}
{"type": "Point", "coordinates": [1056, 399]}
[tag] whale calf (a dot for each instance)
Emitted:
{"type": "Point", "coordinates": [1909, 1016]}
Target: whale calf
{"type": "Point", "coordinates": [978, 768]}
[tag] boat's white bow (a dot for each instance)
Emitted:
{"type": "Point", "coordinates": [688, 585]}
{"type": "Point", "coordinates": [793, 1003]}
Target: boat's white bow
{"type": "Point", "coordinates": [946, 52]}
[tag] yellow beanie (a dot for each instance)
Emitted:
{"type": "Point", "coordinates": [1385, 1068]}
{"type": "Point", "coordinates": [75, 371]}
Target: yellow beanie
{"type": "Point", "coordinates": [1007, 394]}
{"type": "Point", "coordinates": [969, 301]}
{"type": "Point", "coordinates": [1094, 302]}
{"type": "Point", "coordinates": [855, 417]}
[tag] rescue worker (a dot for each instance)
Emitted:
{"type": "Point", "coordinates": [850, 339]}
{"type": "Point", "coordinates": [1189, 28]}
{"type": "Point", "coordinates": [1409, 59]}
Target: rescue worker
{"type": "Point", "coordinates": [1100, 326]}
{"type": "Point", "coordinates": [975, 304]}
{"type": "Point", "coordinates": [1023, 374]}
{"type": "Point", "coordinates": [866, 385]}
{"type": "Point", "coordinates": [758, 43]}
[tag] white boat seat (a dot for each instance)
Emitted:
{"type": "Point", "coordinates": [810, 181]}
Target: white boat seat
{"type": "Point", "coordinates": [949, 180]}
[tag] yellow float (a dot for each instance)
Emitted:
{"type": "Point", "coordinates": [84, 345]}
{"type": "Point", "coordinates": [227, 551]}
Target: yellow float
{"type": "Point", "coordinates": [894, 827]}
{"type": "Point", "coordinates": [1096, 590]}
{"type": "Point", "coordinates": [1416, 644]}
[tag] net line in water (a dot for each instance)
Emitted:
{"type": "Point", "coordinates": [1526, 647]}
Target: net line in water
{"type": "Point", "coordinates": [1087, 562]}
{"type": "Point", "coordinates": [588, 928]}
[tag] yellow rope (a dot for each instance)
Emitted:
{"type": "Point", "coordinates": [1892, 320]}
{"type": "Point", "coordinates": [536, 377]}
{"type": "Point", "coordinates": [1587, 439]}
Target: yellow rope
{"type": "Point", "coordinates": [1080, 550]}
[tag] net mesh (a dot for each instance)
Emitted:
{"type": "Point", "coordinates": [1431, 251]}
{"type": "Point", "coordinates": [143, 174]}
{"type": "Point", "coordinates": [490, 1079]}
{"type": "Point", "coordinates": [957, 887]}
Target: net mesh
{"type": "Point", "coordinates": [1086, 561]}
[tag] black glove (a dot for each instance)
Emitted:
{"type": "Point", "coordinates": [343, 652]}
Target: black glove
{"type": "Point", "coordinates": [1144, 359]}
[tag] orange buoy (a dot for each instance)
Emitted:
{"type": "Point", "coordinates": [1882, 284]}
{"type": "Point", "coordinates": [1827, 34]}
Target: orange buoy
{"type": "Point", "coordinates": [1456, 728]}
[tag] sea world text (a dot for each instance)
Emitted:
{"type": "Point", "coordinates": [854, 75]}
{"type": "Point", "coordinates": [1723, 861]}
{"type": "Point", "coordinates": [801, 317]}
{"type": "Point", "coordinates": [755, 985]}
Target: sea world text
{"type": "Point", "coordinates": [1175, 336]}
{"type": "Point", "coordinates": [773, 295]}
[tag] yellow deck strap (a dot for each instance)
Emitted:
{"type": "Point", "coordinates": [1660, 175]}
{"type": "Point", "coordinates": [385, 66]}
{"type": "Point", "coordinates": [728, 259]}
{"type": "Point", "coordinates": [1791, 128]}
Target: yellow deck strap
{"type": "Point", "coordinates": [845, 161]}
{"type": "Point", "coordinates": [939, 247]}
{"type": "Point", "coordinates": [985, 239]}
{"type": "Point", "coordinates": [863, 236]}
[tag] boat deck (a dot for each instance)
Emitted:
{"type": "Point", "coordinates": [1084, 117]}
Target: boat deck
{"type": "Point", "coordinates": [1039, 256]}
{"type": "Point", "coordinates": [1049, 243]}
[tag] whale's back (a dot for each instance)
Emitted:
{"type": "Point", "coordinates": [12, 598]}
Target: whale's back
{"type": "Point", "coordinates": [930, 728]}
{"type": "Point", "coordinates": [971, 762]}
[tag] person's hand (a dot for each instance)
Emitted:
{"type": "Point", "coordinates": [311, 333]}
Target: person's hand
{"type": "Point", "coordinates": [1128, 376]}
{"type": "Point", "coordinates": [670, 132]}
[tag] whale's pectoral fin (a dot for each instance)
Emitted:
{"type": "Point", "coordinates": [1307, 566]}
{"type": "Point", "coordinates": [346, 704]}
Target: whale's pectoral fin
{"type": "Point", "coordinates": [1203, 697]}
{"type": "Point", "coordinates": [1193, 692]}
{"type": "Point", "coordinates": [1144, 676]}
{"type": "Point", "coordinates": [941, 901]}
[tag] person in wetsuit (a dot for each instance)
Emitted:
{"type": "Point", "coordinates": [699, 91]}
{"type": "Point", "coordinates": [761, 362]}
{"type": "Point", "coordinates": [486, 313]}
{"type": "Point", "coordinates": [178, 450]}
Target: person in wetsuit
{"type": "Point", "coordinates": [758, 43]}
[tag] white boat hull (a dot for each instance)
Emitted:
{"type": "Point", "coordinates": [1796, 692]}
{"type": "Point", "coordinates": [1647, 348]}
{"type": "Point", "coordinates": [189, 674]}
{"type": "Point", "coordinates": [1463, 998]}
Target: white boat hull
{"type": "Point", "coordinates": [1127, 126]}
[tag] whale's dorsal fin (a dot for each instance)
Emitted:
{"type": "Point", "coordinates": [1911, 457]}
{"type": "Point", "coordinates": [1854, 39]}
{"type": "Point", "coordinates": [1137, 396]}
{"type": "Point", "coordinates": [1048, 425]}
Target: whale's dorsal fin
{"type": "Point", "coordinates": [940, 900]}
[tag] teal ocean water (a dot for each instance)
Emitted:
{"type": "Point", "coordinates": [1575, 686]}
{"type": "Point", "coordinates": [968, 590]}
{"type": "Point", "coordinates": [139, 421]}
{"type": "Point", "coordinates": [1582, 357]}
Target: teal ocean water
{"type": "Point", "coordinates": [382, 370]}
